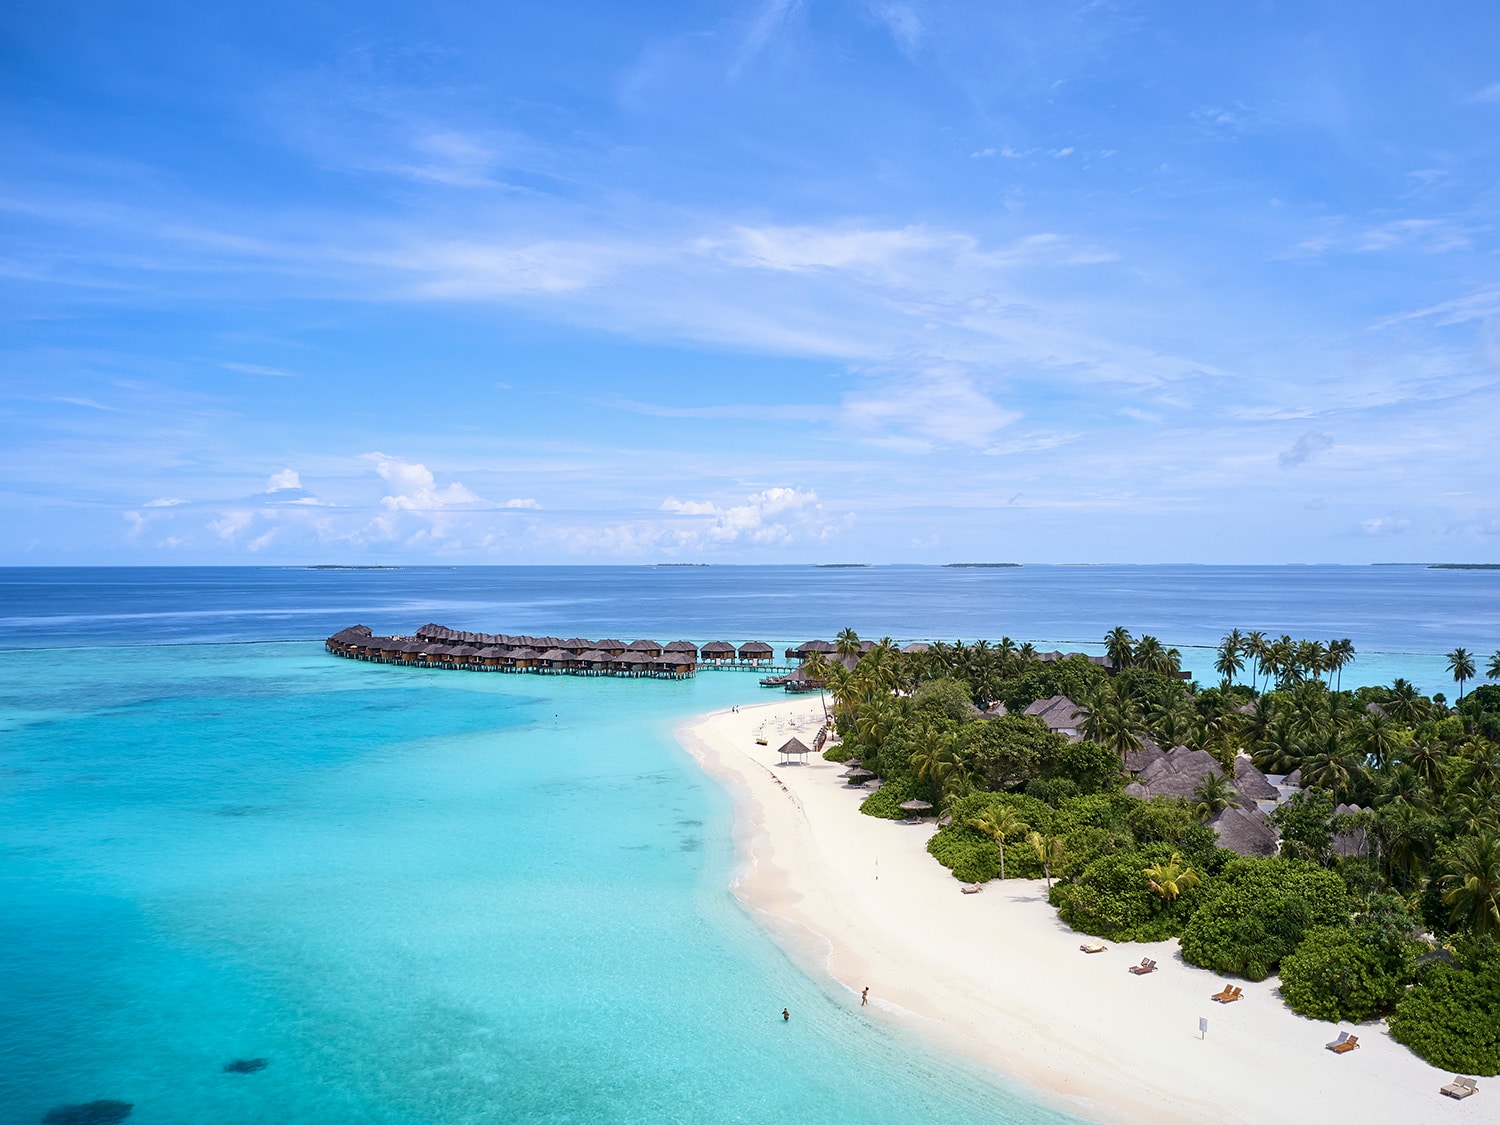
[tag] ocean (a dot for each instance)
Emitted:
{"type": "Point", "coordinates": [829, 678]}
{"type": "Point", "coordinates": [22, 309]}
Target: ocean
{"type": "Point", "coordinates": [428, 896]}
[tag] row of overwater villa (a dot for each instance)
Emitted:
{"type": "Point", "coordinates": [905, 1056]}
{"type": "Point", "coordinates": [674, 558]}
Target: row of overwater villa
{"type": "Point", "coordinates": [437, 646]}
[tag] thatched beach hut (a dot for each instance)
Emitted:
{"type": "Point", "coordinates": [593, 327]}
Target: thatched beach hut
{"type": "Point", "coordinates": [756, 653]}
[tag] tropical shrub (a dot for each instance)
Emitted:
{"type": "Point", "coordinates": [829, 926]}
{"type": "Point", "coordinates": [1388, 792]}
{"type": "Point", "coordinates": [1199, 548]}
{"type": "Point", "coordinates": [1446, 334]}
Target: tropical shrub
{"type": "Point", "coordinates": [1335, 975]}
{"type": "Point", "coordinates": [1452, 1017]}
{"type": "Point", "coordinates": [1111, 898]}
{"type": "Point", "coordinates": [1257, 911]}
{"type": "Point", "coordinates": [885, 802]}
{"type": "Point", "coordinates": [971, 855]}
{"type": "Point", "coordinates": [1093, 768]}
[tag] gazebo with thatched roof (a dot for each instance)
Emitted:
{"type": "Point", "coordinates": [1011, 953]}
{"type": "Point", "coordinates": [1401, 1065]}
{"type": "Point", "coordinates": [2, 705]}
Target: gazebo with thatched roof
{"type": "Point", "coordinates": [794, 747]}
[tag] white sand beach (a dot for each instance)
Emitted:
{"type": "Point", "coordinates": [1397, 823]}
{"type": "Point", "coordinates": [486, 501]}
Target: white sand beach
{"type": "Point", "coordinates": [997, 977]}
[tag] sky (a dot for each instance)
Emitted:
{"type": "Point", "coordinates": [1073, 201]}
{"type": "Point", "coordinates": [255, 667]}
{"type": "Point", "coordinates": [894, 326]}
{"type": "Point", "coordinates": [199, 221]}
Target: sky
{"type": "Point", "coordinates": [761, 281]}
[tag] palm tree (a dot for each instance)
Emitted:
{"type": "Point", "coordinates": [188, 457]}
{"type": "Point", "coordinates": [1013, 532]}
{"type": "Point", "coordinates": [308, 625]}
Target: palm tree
{"type": "Point", "coordinates": [1213, 795]}
{"type": "Point", "coordinates": [1493, 671]}
{"type": "Point", "coordinates": [1341, 653]}
{"type": "Point", "coordinates": [815, 668]}
{"type": "Point", "coordinates": [1379, 738]}
{"type": "Point", "coordinates": [998, 824]}
{"type": "Point", "coordinates": [935, 756]}
{"type": "Point", "coordinates": [1472, 884]}
{"type": "Point", "coordinates": [1114, 721]}
{"type": "Point", "coordinates": [1049, 853]}
{"type": "Point", "coordinates": [1119, 646]}
{"type": "Point", "coordinates": [846, 643]}
{"type": "Point", "coordinates": [1404, 702]}
{"type": "Point", "coordinates": [1255, 648]}
{"type": "Point", "coordinates": [1230, 658]}
{"type": "Point", "coordinates": [1425, 756]}
{"type": "Point", "coordinates": [1170, 879]}
{"type": "Point", "coordinates": [1461, 664]}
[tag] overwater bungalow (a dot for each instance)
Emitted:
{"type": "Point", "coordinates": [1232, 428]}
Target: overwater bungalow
{"type": "Point", "coordinates": [437, 646]}
{"type": "Point", "coordinates": [807, 648]}
{"type": "Point", "coordinates": [718, 652]}
{"type": "Point", "coordinates": [756, 653]}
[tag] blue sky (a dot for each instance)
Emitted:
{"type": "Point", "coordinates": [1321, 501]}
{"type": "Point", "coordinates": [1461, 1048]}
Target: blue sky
{"type": "Point", "coordinates": [818, 281]}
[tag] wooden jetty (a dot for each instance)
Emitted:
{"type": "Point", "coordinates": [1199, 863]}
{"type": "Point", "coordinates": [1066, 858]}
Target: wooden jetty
{"type": "Point", "coordinates": [437, 646]}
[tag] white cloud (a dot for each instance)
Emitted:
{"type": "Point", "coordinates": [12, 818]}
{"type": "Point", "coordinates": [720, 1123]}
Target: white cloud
{"type": "Point", "coordinates": [257, 369]}
{"type": "Point", "coordinates": [415, 488]}
{"type": "Point", "coordinates": [903, 23]}
{"type": "Point", "coordinates": [1490, 93]}
{"type": "Point", "coordinates": [286, 478]}
{"type": "Point", "coordinates": [526, 503]}
{"type": "Point", "coordinates": [163, 502]}
{"type": "Point", "coordinates": [689, 507]}
{"type": "Point", "coordinates": [1384, 525]}
{"type": "Point", "coordinates": [230, 524]}
{"type": "Point", "coordinates": [773, 517]}
{"type": "Point", "coordinates": [940, 405]}
{"type": "Point", "coordinates": [1304, 449]}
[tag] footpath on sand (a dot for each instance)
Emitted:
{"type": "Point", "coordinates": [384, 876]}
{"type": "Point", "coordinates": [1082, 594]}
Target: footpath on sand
{"type": "Point", "coordinates": [996, 976]}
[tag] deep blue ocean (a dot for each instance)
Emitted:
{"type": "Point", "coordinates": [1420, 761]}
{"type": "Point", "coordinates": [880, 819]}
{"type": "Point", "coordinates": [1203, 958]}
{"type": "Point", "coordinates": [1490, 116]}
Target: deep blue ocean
{"type": "Point", "coordinates": [431, 896]}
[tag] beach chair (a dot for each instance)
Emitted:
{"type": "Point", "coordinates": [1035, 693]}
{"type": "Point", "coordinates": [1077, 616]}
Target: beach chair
{"type": "Point", "coordinates": [1093, 947]}
{"type": "Point", "coordinates": [1342, 1039]}
{"type": "Point", "coordinates": [761, 742]}
{"type": "Point", "coordinates": [1146, 966]}
{"type": "Point", "coordinates": [1229, 995]}
{"type": "Point", "coordinates": [1349, 1044]}
{"type": "Point", "coordinates": [1460, 1087]}
{"type": "Point", "coordinates": [971, 888]}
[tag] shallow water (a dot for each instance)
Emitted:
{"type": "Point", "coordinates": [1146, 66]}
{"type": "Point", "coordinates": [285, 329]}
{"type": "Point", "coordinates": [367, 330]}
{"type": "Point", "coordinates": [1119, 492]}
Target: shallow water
{"type": "Point", "coordinates": [422, 896]}
{"type": "Point", "coordinates": [447, 897]}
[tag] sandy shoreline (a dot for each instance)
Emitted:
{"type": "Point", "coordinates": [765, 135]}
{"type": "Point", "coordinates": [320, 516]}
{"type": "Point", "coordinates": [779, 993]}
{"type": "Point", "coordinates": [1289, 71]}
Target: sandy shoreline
{"type": "Point", "coordinates": [996, 977]}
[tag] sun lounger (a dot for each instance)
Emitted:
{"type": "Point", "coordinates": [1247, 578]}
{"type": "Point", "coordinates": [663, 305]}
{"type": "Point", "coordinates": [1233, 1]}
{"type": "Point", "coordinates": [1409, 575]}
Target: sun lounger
{"type": "Point", "coordinates": [1460, 1087]}
{"type": "Point", "coordinates": [1093, 947]}
{"type": "Point", "coordinates": [761, 742]}
{"type": "Point", "coordinates": [1350, 1044]}
{"type": "Point", "coordinates": [1146, 966]}
{"type": "Point", "coordinates": [1230, 994]}
{"type": "Point", "coordinates": [1342, 1039]}
{"type": "Point", "coordinates": [972, 889]}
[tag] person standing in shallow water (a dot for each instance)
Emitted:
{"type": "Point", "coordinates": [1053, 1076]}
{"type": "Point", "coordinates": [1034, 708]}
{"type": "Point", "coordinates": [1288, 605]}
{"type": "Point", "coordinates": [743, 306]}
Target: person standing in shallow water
{"type": "Point", "coordinates": [864, 997]}
{"type": "Point", "coordinates": [785, 1015]}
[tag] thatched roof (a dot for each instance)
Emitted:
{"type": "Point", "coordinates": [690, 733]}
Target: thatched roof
{"type": "Point", "coordinates": [1059, 713]}
{"type": "Point", "coordinates": [1355, 842]}
{"type": "Point", "coordinates": [1294, 778]}
{"type": "Point", "coordinates": [1175, 773]}
{"type": "Point", "coordinates": [792, 746]}
{"type": "Point", "coordinates": [609, 643]}
{"type": "Point", "coordinates": [1252, 783]}
{"type": "Point", "coordinates": [643, 646]}
{"type": "Point", "coordinates": [1149, 753]}
{"type": "Point", "coordinates": [807, 647]}
{"type": "Point", "coordinates": [525, 654]}
{"type": "Point", "coordinates": [756, 648]}
{"type": "Point", "coordinates": [681, 646]}
{"type": "Point", "coordinates": [556, 654]}
{"type": "Point", "coordinates": [717, 648]}
{"type": "Point", "coordinates": [919, 646]}
{"type": "Point", "coordinates": [1243, 831]}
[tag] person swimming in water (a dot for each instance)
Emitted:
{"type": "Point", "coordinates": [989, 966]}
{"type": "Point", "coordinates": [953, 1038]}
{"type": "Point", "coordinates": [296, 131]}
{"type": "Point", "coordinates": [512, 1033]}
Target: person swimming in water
{"type": "Point", "coordinates": [785, 1015]}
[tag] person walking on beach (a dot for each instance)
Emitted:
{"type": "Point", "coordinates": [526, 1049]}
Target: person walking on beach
{"type": "Point", "coordinates": [864, 997]}
{"type": "Point", "coordinates": [785, 1015]}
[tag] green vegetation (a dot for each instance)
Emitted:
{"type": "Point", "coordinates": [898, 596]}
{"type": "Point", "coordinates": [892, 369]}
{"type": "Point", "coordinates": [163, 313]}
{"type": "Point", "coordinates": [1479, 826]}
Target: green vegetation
{"type": "Point", "coordinates": [1338, 913]}
{"type": "Point", "coordinates": [1450, 1018]}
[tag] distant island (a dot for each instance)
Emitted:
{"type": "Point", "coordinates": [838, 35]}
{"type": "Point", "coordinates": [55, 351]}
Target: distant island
{"type": "Point", "coordinates": [978, 566]}
{"type": "Point", "coordinates": [1464, 566]}
{"type": "Point", "coordinates": [682, 564]}
{"type": "Point", "coordinates": [342, 566]}
{"type": "Point", "coordinates": [842, 566]}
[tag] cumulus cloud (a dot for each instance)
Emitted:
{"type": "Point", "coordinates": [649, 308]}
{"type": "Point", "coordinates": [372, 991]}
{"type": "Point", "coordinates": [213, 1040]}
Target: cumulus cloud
{"type": "Point", "coordinates": [1304, 449]}
{"type": "Point", "coordinates": [414, 488]}
{"type": "Point", "coordinates": [1384, 525]}
{"type": "Point", "coordinates": [163, 502]}
{"type": "Point", "coordinates": [230, 524]}
{"type": "Point", "coordinates": [522, 503]}
{"type": "Point", "coordinates": [774, 517]}
{"type": "Point", "coordinates": [283, 480]}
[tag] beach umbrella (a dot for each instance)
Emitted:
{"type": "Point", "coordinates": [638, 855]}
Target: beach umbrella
{"type": "Point", "coordinates": [916, 806]}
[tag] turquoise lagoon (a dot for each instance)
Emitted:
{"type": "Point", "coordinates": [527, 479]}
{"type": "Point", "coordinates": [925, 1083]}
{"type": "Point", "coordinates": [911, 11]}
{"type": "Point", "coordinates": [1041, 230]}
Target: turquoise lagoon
{"type": "Point", "coordinates": [422, 896]}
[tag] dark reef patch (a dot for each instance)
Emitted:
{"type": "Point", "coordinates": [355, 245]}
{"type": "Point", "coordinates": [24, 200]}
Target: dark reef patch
{"type": "Point", "coordinates": [246, 1066]}
{"type": "Point", "coordinates": [103, 1112]}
